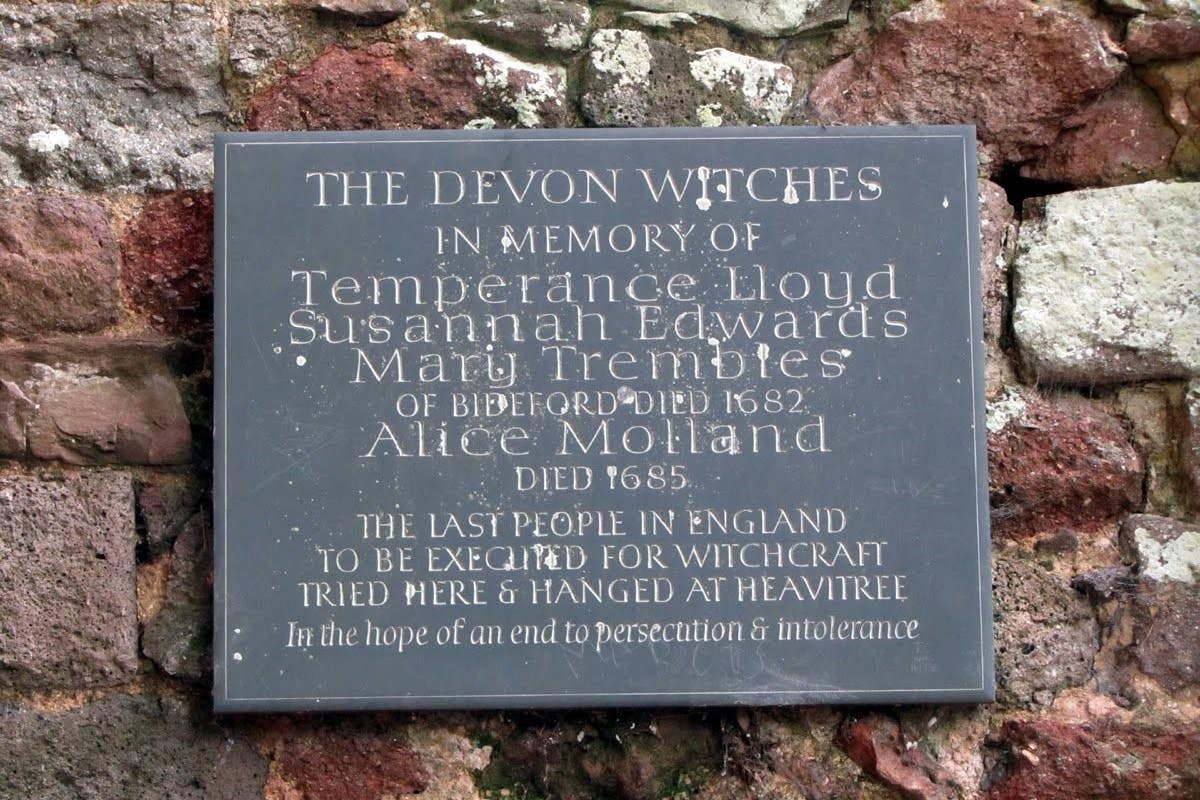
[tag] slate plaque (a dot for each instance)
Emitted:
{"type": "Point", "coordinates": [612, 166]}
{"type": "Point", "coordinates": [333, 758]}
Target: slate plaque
{"type": "Point", "coordinates": [599, 418]}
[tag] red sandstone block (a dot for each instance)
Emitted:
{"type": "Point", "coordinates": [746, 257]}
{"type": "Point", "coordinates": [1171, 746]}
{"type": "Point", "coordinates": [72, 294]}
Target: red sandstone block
{"type": "Point", "coordinates": [431, 82]}
{"type": "Point", "coordinates": [875, 743]}
{"type": "Point", "coordinates": [1014, 68]}
{"type": "Point", "coordinates": [1149, 39]}
{"type": "Point", "coordinates": [168, 261]}
{"type": "Point", "coordinates": [1060, 462]}
{"type": "Point", "coordinates": [58, 265]}
{"type": "Point", "coordinates": [350, 761]}
{"type": "Point", "coordinates": [1053, 759]}
{"type": "Point", "coordinates": [97, 401]}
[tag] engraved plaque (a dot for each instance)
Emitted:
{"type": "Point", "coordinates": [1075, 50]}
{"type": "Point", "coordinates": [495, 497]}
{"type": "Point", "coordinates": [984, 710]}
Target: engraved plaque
{"type": "Point", "coordinates": [599, 418]}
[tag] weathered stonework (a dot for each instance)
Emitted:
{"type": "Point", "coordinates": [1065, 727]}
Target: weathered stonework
{"type": "Point", "coordinates": [16, 409]}
{"type": "Point", "coordinates": [802, 756]}
{"type": "Point", "coordinates": [547, 27]}
{"type": "Point", "coordinates": [58, 266]}
{"type": "Point", "coordinates": [350, 760]}
{"type": "Point", "coordinates": [140, 747]}
{"type": "Point", "coordinates": [1178, 86]}
{"type": "Point", "coordinates": [1055, 462]}
{"type": "Point", "coordinates": [1150, 39]}
{"type": "Point", "coordinates": [1051, 62]}
{"type": "Point", "coordinates": [108, 96]}
{"type": "Point", "coordinates": [363, 12]}
{"type": "Point", "coordinates": [764, 17]}
{"type": "Point", "coordinates": [633, 80]}
{"type": "Point", "coordinates": [66, 582]}
{"type": "Point", "coordinates": [998, 235]}
{"type": "Point", "coordinates": [1046, 634]}
{"type": "Point", "coordinates": [424, 82]}
{"type": "Point", "coordinates": [640, 756]}
{"type": "Point", "coordinates": [1191, 442]}
{"type": "Point", "coordinates": [1101, 301]}
{"type": "Point", "coordinates": [1068, 759]}
{"type": "Point", "coordinates": [99, 401]}
{"type": "Point", "coordinates": [179, 637]}
{"type": "Point", "coordinates": [1123, 137]}
{"type": "Point", "coordinates": [1093, 413]}
{"type": "Point", "coordinates": [1158, 416]}
{"type": "Point", "coordinates": [1158, 625]}
{"type": "Point", "coordinates": [877, 744]}
{"type": "Point", "coordinates": [167, 256]}
{"type": "Point", "coordinates": [259, 37]}
{"type": "Point", "coordinates": [1162, 549]}
{"type": "Point", "coordinates": [165, 505]}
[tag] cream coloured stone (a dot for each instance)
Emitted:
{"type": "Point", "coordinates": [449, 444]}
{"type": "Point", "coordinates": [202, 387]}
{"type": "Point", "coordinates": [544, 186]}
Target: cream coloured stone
{"type": "Point", "coordinates": [1107, 285]}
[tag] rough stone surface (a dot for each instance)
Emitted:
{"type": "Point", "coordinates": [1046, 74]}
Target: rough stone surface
{"type": "Point", "coordinates": [660, 20]}
{"type": "Point", "coordinates": [165, 504]}
{"type": "Point", "coordinates": [351, 760]}
{"type": "Point", "coordinates": [1150, 39]}
{"type": "Point", "coordinates": [799, 757]}
{"type": "Point", "coordinates": [1157, 412]}
{"type": "Point", "coordinates": [1155, 8]}
{"type": "Point", "coordinates": [539, 26]}
{"type": "Point", "coordinates": [425, 82]}
{"type": "Point", "coordinates": [877, 745]}
{"type": "Point", "coordinates": [168, 261]}
{"type": "Point", "coordinates": [100, 401]}
{"type": "Point", "coordinates": [179, 637]}
{"type": "Point", "coordinates": [632, 80]}
{"type": "Point", "coordinates": [364, 12]}
{"type": "Point", "coordinates": [58, 265]}
{"type": "Point", "coordinates": [139, 747]}
{"type": "Point", "coordinates": [16, 410]}
{"type": "Point", "coordinates": [1158, 626]}
{"type": "Point", "coordinates": [1108, 284]}
{"type": "Point", "coordinates": [1178, 87]}
{"type": "Point", "coordinates": [1123, 137]}
{"type": "Point", "coordinates": [1162, 549]}
{"type": "Point", "coordinates": [108, 95]}
{"type": "Point", "coordinates": [1057, 461]}
{"type": "Point", "coordinates": [1046, 634]}
{"type": "Point", "coordinates": [66, 582]}
{"type": "Point", "coordinates": [1051, 759]}
{"type": "Point", "coordinates": [639, 756]}
{"type": "Point", "coordinates": [998, 233]}
{"type": "Point", "coordinates": [1013, 68]}
{"type": "Point", "coordinates": [258, 38]}
{"type": "Point", "coordinates": [109, 115]}
{"type": "Point", "coordinates": [764, 17]}
{"type": "Point", "coordinates": [1191, 442]}
{"type": "Point", "coordinates": [1104, 584]}
{"type": "Point", "coordinates": [1158, 630]}
{"type": "Point", "coordinates": [952, 739]}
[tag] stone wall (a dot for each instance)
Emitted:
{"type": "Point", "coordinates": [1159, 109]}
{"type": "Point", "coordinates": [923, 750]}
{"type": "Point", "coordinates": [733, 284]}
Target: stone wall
{"type": "Point", "coordinates": [1089, 123]}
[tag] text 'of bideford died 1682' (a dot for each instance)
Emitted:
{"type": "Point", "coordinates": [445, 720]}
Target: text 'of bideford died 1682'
{"type": "Point", "coordinates": [599, 418]}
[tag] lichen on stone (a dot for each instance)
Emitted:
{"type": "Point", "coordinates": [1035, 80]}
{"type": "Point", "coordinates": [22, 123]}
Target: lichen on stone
{"type": "Point", "coordinates": [1108, 284]}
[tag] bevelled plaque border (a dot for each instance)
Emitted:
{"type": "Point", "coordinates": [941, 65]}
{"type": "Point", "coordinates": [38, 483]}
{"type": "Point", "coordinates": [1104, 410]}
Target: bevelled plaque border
{"type": "Point", "coordinates": [886, 454]}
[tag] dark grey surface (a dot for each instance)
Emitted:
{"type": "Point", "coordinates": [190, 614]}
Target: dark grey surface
{"type": "Point", "coordinates": [905, 426]}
